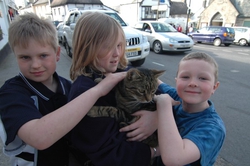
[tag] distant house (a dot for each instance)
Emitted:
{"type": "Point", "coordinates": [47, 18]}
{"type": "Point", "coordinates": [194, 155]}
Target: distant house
{"type": "Point", "coordinates": [60, 8]}
{"type": "Point", "coordinates": [135, 10]}
{"type": "Point", "coordinates": [226, 13]}
{"type": "Point", "coordinates": [8, 11]}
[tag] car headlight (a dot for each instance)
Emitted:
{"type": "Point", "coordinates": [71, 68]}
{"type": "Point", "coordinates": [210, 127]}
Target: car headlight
{"type": "Point", "coordinates": [144, 39]}
{"type": "Point", "coordinates": [172, 40]}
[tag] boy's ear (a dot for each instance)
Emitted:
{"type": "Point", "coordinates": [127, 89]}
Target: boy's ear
{"type": "Point", "coordinates": [58, 52]}
{"type": "Point", "coordinates": [216, 85]}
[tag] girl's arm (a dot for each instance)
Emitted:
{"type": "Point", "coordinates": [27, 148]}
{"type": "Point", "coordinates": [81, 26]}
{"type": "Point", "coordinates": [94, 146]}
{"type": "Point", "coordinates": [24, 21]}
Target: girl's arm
{"type": "Point", "coordinates": [42, 133]}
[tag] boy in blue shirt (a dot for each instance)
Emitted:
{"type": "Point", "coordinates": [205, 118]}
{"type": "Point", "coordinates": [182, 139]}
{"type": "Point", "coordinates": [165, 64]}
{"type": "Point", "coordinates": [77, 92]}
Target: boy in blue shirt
{"type": "Point", "coordinates": [190, 133]}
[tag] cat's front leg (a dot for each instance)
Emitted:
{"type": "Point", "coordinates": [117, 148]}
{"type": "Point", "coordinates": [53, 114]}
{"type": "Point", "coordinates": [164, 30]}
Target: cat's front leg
{"type": "Point", "coordinates": [106, 111]}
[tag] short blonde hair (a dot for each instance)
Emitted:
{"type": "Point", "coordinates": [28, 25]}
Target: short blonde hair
{"type": "Point", "coordinates": [92, 30]}
{"type": "Point", "coordinates": [205, 57]}
{"type": "Point", "coordinates": [30, 26]}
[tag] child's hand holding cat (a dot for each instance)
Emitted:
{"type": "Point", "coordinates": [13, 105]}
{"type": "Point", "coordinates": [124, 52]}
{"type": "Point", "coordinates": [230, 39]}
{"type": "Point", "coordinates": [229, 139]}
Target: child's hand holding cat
{"type": "Point", "coordinates": [109, 82]}
{"type": "Point", "coordinates": [163, 98]}
{"type": "Point", "coordinates": [145, 126]}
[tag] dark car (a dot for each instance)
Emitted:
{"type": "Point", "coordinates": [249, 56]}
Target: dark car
{"type": "Point", "coordinates": [216, 35]}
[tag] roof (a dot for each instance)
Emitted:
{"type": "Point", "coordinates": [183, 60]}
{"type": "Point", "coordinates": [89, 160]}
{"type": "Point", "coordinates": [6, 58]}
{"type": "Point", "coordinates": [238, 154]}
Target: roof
{"type": "Point", "coordinates": [178, 8]}
{"type": "Point", "coordinates": [64, 2]}
{"type": "Point", "coordinates": [40, 2]}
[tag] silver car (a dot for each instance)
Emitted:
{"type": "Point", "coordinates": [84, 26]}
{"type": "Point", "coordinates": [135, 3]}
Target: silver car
{"type": "Point", "coordinates": [164, 37]}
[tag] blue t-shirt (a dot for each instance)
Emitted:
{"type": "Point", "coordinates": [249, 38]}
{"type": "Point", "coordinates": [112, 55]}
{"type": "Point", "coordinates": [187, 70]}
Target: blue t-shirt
{"type": "Point", "coordinates": [205, 129]}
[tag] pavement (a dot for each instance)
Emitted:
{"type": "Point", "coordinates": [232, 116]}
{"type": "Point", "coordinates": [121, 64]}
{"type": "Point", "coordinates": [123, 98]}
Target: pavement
{"type": "Point", "coordinates": [9, 68]}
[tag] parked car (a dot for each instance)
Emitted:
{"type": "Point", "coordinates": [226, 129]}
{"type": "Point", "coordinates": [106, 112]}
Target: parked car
{"type": "Point", "coordinates": [163, 37]}
{"type": "Point", "coordinates": [242, 35]}
{"type": "Point", "coordinates": [59, 29]}
{"type": "Point", "coordinates": [137, 48]}
{"type": "Point", "coordinates": [216, 35]}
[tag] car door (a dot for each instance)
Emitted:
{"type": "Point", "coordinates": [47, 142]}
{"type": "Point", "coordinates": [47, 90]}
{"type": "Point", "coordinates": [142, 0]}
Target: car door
{"type": "Point", "coordinates": [200, 35]}
{"type": "Point", "coordinates": [213, 32]}
{"type": "Point", "coordinates": [70, 26]}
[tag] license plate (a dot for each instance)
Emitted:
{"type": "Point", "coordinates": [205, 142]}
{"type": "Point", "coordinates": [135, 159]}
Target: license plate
{"type": "Point", "coordinates": [130, 54]}
{"type": "Point", "coordinates": [184, 45]}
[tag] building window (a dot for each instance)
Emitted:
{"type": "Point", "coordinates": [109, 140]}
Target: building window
{"type": "Point", "coordinates": [59, 13]}
{"type": "Point", "coordinates": [55, 12]}
{"type": "Point", "coordinates": [148, 13]}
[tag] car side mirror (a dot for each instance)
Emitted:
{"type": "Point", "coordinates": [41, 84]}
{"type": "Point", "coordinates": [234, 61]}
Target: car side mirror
{"type": "Point", "coordinates": [148, 30]}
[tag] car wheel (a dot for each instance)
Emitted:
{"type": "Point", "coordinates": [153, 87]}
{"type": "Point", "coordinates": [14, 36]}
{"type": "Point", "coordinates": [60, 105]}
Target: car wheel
{"type": "Point", "coordinates": [242, 42]}
{"type": "Point", "coordinates": [67, 49]}
{"type": "Point", "coordinates": [138, 62]}
{"type": "Point", "coordinates": [157, 47]}
{"type": "Point", "coordinates": [217, 42]}
{"type": "Point", "coordinates": [227, 44]}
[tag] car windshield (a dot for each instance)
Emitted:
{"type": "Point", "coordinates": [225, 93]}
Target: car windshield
{"type": "Point", "coordinates": [230, 30]}
{"type": "Point", "coordinates": [117, 18]}
{"type": "Point", "coordinates": [161, 27]}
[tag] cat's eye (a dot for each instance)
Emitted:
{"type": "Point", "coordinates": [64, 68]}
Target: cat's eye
{"type": "Point", "coordinates": [142, 91]}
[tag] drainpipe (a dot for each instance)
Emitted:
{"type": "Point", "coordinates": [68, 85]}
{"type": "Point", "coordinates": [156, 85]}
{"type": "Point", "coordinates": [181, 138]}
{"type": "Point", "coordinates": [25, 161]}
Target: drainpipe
{"type": "Point", "coordinates": [157, 16]}
{"type": "Point", "coordinates": [188, 16]}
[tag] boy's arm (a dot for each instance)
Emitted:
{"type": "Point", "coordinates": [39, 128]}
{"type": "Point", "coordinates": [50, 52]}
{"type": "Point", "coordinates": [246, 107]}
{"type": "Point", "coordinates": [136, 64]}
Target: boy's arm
{"type": "Point", "coordinates": [174, 150]}
{"type": "Point", "coordinates": [42, 133]}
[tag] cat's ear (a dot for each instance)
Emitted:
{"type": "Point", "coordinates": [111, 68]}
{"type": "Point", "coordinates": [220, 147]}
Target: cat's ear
{"type": "Point", "coordinates": [158, 73]}
{"type": "Point", "coordinates": [132, 74]}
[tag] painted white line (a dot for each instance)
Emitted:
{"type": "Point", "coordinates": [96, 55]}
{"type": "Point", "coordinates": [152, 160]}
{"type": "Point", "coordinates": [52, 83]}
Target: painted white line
{"type": "Point", "coordinates": [157, 63]}
{"type": "Point", "coordinates": [234, 71]}
{"type": "Point", "coordinates": [226, 50]}
{"type": "Point", "coordinates": [243, 53]}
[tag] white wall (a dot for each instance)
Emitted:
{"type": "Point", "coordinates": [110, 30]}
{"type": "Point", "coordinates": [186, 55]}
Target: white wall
{"type": "Point", "coordinates": [4, 23]}
{"type": "Point", "coordinates": [130, 13]}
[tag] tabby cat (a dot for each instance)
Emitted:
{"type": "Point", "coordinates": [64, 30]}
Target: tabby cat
{"type": "Point", "coordinates": [135, 92]}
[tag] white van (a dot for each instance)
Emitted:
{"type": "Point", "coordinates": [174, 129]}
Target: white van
{"type": "Point", "coordinates": [137, 48]}
{"type": "Point", "coordinates": [242, 35]}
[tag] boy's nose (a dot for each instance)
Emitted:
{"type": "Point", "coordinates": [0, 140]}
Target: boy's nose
{"type": "Point", "coordinates": [192, 83]}
{"type": "Point", "coordinates": [36, 63]}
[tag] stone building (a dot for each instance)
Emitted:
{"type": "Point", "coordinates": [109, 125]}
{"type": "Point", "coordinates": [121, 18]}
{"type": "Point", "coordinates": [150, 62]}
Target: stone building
{"type": "Point", "coordinates": [226, 13]}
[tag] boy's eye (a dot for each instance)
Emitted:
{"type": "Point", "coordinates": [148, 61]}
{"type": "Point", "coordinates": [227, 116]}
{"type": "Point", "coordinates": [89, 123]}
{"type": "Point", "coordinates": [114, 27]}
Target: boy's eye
{"type": "Point", "coordinates": [24, 57]}
{"type": "Point", "coordinates": [44, 55]}
{"type": "Point", "coordinates": [185, 77]}
{"type": "Point", "coordinates": [202, 78]}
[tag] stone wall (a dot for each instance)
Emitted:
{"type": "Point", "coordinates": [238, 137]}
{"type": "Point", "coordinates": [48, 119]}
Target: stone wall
{"type": "Point", "coordinates": [225, 8]}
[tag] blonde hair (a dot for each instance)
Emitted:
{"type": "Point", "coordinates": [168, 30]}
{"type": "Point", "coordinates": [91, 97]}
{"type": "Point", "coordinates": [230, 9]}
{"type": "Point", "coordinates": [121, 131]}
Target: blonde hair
{"type": "Point", "coordinates": [205, 57]}
{"type": "Point", "coordinates": [92, 30]}
{"type": "Point", "coordinates": [30, 26]}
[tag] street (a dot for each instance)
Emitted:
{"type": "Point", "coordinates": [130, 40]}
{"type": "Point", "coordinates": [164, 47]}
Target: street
{"type": "Point", "coordinates": [231, 99]}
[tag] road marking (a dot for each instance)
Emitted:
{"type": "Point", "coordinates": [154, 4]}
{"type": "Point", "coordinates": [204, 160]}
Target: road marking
{"type": "Point", "coordinates": [243, 53]}
{"type": "Point", "coordinates": [226, 50]}
{"type": "Point", "coordinates": [235, 71]}
{"type": "Point", "coordinates": [157, 63]}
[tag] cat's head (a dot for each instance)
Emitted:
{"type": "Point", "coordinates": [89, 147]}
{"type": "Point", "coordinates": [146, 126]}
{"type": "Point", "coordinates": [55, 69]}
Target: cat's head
{"type": "Point", "coordinates": [141, 83]}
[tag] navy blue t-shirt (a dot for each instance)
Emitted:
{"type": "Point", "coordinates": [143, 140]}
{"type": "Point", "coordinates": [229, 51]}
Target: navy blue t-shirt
{"type": "Point", "coordinates": [100, 139]}
{"type": "Point", "coordinates": [17, 107]}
